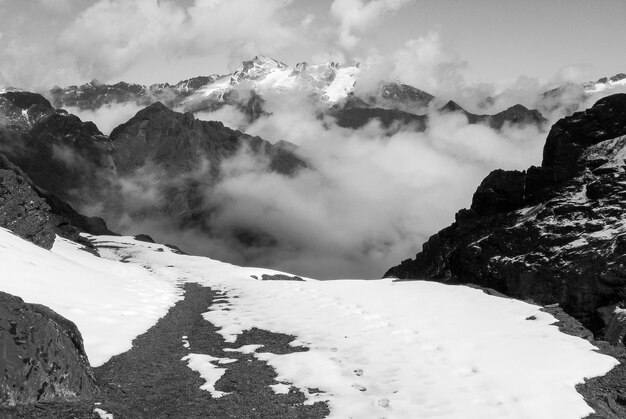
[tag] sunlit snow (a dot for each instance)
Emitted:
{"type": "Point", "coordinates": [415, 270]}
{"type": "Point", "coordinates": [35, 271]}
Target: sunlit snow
{"type": "Point", "coordinates": [377, 348]}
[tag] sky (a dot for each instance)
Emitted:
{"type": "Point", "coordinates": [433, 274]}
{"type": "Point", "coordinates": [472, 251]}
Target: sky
{"type": "Point", "coordinates": [60, 42]}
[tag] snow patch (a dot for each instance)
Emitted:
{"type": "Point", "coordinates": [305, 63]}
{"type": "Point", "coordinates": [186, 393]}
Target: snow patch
{"type": "Point", "coordinates": [103, 413]}
{"type": "Point", "coordinates": [280, 388]}
{"type": "Point", "coordinates": [246, 349]}
{"type": "Point", "coordinates": [205, 366]}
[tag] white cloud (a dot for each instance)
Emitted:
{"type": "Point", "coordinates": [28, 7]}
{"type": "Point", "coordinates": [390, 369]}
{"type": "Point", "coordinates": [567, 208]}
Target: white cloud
{"type": "Point", "coordinates": [110, 35]}
{"type": "Point", "coordinates": [107, 117]}
{"type": "Point", "coordinates": [356, 16]}
{"type": "Point", "coordinates": [57, 6]}
{"type": "Point", "coordinates": [368, 199]}
{"type": "Point", "coordinates": [113, 35]}
{"type": "Point", "coordinates": [423, 62]}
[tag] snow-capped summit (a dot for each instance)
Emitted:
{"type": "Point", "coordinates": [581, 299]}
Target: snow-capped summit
{"type": "Point", "coordinates": [257, 68]}
{"type": "Point", "coordinates": [328, 82]}
{"type": "Point", "coordinates": [606, 83]}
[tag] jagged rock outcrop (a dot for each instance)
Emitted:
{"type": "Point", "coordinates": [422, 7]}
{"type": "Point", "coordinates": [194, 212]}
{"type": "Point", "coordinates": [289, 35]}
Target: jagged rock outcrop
{"type": "Point", "coordinates": [551, 234]}
{"type": "Point", "coordinates": [21, 209]}
{"type": "Point", "coordinates": [41, 355]}
{"type": "Point", "coordinates": [37, 216]}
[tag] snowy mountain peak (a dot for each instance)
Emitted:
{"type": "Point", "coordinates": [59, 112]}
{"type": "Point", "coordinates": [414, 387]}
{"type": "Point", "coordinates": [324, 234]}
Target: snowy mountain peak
{"type": "Point", "coordinates": [605, 83]}
{"type": "Point", "coordinates": [257, 68]}
{"type": "Point", "coordinates": [328, 81]}
{"type": "Point", "coordinates": [263, 61]}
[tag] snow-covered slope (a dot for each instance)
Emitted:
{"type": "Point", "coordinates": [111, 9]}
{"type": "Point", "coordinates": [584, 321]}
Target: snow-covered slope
{"type": "Point", "coordinates": [377, 348]}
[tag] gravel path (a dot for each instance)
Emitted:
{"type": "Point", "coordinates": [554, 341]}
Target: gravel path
{"type": "Point", "coordinates": [151, 380]}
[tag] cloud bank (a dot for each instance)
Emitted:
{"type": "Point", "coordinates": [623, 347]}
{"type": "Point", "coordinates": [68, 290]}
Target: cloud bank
{"type": "Point", "coordinates": [367, 200]}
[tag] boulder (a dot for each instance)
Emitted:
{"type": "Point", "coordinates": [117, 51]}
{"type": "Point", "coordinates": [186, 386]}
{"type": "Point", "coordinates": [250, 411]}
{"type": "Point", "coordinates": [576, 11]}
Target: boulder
{"type": "Point", "coordinates": [41, 355]}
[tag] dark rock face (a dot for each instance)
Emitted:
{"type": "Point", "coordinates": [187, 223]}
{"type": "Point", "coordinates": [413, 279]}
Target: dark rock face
{"type": "Point", "coordinates": [517, 115]}
{"type": "Point", "coordinates": [356, 113]}
{"type": "Point", "coordinates": [355, 118]}
{"type": "Point", "coordinates": [50, 157]}
{"type": "Point", "coordinates": [37, 216]}
{"type": "Point", "coordinates": [551, 234]}
{"type": "Point", "coordinates": [392, 96]}
{"type": "Point", "coordinates": [187, 156]}
{"type": "Point", "coordinates": [179, 143]}
{"type": "Point", "coordinates": [280, 277]}
{"type": "Point", "coordinates": [41, 354]}
{"type": "Point", "coordinates": [22, 210]}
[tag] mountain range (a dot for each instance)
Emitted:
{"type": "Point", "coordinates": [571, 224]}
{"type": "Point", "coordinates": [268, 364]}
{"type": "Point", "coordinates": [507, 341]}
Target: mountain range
{"type": "Point", "coordinates": [552, 235]}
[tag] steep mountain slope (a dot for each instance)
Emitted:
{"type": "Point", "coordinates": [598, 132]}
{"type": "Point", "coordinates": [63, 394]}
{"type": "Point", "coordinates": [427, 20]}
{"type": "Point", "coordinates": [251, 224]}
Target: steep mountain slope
{"type": "Point", "coordinates": [63, 155]}
{"type": "Point", "coordinates": [552, 234]}
{"type": "Point", "coordinates": [159, 166]}
{"type": "Point", "coordinates": [37, 215]}
{"type": "Point", "coordinates": [178, 159]}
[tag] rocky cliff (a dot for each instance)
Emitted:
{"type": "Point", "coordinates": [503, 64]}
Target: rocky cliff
{"type": "Point", "coordinates": [551, 234]}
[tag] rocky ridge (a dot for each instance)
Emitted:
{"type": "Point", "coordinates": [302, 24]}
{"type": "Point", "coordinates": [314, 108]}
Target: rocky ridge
{"type": "Point", "coordinates": [357, 113]}
{"type": "Point", "coordinates": [550, 234]}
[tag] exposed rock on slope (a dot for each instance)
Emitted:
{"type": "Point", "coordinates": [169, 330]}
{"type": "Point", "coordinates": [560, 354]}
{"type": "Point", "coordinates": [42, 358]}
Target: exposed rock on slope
{"type": "Point", "coordinates": [42, 356]}
{"type": "Point", "coordinates": [36, 215]}
{"type": "Point", "coordinates": [21, 209]}
{"type": "Point", "coordinates": [552, 234]}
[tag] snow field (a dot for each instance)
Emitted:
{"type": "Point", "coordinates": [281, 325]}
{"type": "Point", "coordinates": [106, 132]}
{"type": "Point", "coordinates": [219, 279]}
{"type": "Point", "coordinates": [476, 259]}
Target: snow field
{"type": "Point", "coordinates": [399, 349]}
{"type": "Point", "coordinates": [110, 302]}
{"type": "Point", "coordinates": [377, 348]}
